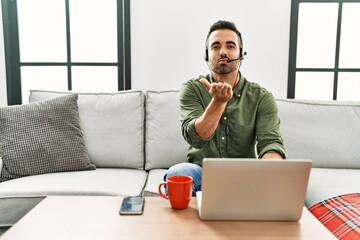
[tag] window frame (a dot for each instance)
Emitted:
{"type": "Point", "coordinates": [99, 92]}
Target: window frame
{"type": "Point", "coordinates": [12, 50]}
{"type": "Point", "coordinates": [293, 47]}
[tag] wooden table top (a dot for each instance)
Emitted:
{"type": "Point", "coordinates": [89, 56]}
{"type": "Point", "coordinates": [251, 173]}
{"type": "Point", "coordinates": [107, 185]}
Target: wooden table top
{"type": "Point", "coordinates": [97, 217]}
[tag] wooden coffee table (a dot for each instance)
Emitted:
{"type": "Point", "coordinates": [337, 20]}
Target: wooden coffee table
{"type": "Point", "coordinates": [93, 217]}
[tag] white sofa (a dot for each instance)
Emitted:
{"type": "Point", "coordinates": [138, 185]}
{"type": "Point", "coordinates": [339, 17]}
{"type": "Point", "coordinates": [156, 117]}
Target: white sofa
{"type": "Point", "coordinates": [133, 137]}
{"type": "Point", "coordinates": [328, 133]}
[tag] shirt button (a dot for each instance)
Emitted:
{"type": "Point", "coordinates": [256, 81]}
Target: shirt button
{"type": "Point", "coordinates": [222, 138]}
{"type": "Point", "coordinates": [225, 118]}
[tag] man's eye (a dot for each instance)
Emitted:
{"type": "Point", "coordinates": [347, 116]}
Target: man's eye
{"type": "Point", "coordinates": [231, 47]}
{"type": "Point", "coordinates": [215, 47]}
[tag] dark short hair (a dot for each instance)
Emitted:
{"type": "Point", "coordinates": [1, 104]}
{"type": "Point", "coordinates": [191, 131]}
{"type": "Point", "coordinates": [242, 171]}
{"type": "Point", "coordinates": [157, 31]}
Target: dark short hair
{"type": "Point", "coordinates": [222, 24]}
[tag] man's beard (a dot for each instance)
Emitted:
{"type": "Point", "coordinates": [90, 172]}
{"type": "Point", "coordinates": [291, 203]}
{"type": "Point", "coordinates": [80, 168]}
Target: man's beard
{"type": "Point", "coordinates": [223, 69]}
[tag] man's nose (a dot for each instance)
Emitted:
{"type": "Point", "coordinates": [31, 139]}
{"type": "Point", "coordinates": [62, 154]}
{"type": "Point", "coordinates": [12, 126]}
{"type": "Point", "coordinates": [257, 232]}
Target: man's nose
{"type": "Point", "coordinates": [223, 52]}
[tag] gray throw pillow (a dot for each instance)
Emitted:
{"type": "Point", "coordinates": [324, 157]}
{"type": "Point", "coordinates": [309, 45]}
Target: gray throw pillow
{"type": "Point", "coordinates": [42, 137]}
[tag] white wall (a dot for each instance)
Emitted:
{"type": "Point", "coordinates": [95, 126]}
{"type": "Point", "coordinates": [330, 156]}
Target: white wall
{"type": "Point", "coordinates": [3, 96]}
{"type": "Point", "coordinates": [168, 40]}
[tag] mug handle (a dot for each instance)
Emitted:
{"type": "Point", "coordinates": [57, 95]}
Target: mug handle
{"type": "Point", "coordinates": [160, 192]}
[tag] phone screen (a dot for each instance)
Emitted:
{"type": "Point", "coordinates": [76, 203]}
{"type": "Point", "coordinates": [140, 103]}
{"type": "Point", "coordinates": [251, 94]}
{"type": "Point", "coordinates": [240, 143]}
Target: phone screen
{"type": "Point", "coordinates": [132, 205]}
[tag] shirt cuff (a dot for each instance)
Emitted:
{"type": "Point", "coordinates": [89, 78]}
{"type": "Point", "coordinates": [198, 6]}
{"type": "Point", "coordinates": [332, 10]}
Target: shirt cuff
{"type": "Point", "coordinates": [273, 148]}
{"type": "Point", "coordinates": [192, 136]}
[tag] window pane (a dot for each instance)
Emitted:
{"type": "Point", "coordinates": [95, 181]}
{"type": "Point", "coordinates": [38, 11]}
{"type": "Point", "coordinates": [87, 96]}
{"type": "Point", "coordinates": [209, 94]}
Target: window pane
{"type": "Point", "coordinates": [350, 36]}
{"type": "Point", "coordinates": [314, 85]}
{"type": "Point", "coordinates": [316, 35]}
{"type": "Point", "coordinates": [348, 86]}
{"type": "Point", "coordinates": [42, 30]}
{"type": "Point", "coordinates": [42, 78]}
{"type": "Point", "coordinates": [94, 79]}
{"type": "Point", "coordinates": [93, 26]}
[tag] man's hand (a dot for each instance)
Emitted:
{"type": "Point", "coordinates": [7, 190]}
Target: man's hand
{"type": "Point", "coordinates": [221, 92]}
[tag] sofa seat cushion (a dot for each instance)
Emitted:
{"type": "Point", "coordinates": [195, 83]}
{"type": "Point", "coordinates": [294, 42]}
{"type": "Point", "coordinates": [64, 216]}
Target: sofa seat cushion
{"type": "Point", "coordinates": [112, 126]}
{"type": "Point", "coordinates": [325, 183]}
{"type": "Point", "coordinates": [340, 214]}
{"type": "Point", "coordinates": [20, 195]}
{"type": "Point", "coordinates": [155, 177]}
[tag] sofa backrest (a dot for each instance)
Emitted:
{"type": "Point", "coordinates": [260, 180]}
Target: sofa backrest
{"type": "Point", "coordinates": [327, 132]}
{"type": "Point", "coordinates": [164, 144]}
{"type": "Point", "coordinates": [112, 126]}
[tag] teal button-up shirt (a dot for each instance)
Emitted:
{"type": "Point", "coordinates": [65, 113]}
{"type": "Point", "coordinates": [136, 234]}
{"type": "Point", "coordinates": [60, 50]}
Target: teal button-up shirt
{"type": "Point", "coordinates": [250, 118]}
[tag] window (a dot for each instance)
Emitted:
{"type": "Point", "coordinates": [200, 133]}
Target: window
{"type": "Point", "coordinates": [324, 61]}
{"type": "Point", "coordinates": [79, 45]}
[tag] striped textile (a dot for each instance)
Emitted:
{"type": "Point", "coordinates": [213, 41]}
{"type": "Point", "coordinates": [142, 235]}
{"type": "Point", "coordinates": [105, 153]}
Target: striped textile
{"type": "Point", "coordinates": [341, 215]}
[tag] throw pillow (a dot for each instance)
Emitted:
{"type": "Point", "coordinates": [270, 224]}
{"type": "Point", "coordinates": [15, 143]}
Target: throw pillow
{"type": "Point", "coordinates": [42, 137]}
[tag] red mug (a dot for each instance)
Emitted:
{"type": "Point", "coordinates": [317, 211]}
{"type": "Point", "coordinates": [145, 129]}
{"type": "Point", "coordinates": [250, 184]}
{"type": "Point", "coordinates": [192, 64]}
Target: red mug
{"type": "Point", "coordinates": [179, 189]}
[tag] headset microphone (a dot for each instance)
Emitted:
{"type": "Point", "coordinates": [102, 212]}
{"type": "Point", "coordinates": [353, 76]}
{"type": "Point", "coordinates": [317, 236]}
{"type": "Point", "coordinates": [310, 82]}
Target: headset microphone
{"type": "Point", "coordinates": [235, 59]}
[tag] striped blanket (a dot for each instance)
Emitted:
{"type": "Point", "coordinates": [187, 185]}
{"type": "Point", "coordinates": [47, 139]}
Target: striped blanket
{"type": "Point", "coordinates": [341, 215]}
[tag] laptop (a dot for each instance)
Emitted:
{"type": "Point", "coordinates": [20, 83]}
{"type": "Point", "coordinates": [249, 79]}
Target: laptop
{"type": "Point", "coordinates": [253, 189]}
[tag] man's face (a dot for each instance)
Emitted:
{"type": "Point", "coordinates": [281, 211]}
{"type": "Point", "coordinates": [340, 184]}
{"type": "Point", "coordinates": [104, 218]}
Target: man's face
{"type": "Point", "coordinates": [223, 45]}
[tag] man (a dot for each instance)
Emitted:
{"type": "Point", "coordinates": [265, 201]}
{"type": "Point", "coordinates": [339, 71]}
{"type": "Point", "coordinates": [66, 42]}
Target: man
{"type": "Point", "coordinates": [223, 114]}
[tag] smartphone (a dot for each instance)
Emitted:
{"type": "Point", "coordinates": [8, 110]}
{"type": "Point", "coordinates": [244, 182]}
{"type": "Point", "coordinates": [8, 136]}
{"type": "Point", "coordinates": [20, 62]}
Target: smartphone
{"type": "Point", "coordinates": [132, 205]}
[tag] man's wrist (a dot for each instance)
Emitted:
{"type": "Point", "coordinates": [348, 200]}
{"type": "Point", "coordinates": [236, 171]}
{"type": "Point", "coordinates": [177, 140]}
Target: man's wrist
{"type": "Point", "coordinates": [272, 155]}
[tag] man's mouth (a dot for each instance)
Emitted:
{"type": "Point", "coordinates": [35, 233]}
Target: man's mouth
{"type": "Point", "coordinates": [223, 60]}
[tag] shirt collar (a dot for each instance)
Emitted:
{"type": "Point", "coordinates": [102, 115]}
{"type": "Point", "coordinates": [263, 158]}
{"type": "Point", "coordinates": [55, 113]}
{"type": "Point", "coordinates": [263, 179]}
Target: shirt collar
{"type": "Point", "coordinates": [239, 87]}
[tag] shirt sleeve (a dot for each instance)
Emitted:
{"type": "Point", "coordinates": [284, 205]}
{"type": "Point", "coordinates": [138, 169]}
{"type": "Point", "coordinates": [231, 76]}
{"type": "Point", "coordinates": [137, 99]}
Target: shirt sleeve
{"type": "Point", "coordinates": [192, 105]}
{"type": "Point", "coordinates": [268, 133]}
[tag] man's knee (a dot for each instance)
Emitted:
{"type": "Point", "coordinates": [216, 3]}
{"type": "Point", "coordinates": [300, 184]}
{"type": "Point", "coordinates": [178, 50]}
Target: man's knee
{"type": "Point", "coordinates": [188, 169]}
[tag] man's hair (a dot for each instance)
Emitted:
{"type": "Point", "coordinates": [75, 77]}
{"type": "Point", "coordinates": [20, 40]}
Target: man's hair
{"type": "Point", "coordinates": [224, 25]}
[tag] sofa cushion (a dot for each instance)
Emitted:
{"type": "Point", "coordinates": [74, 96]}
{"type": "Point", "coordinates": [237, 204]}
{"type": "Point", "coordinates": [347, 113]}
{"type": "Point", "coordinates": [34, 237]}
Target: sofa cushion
{"type": "Point", "coordinates": [327, 132]}
{"type": "Point", "coordinates": [42, 137]}
{"type": "Point", "coordinates": [164, 144]}
{"type": "Point", "coordinates": [112, 124]}
{"type": "Point", "coordinates": [20, 195]}
{"type": "Point", "coordinates": [155, 177]}
{"type": "Point", "coordinates": [325, 183]}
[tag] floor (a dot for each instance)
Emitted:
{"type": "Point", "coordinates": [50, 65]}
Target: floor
{"type": "Point", "coordinates": [2, 230]}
